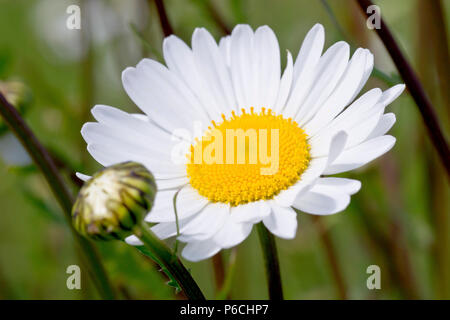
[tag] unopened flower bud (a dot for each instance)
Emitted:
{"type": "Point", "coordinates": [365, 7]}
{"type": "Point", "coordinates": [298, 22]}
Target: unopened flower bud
{"type": "Point", "coordinates": [114, 201]}
{"type": "Point", "coordinates": [17, 94]}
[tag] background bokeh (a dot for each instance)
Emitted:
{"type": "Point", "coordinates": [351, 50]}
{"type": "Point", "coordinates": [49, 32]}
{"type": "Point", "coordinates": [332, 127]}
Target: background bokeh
{"type": "Point", "coordinates": [399, 220]}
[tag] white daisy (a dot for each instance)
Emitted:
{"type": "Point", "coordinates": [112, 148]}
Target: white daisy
{"type": "Point", "coordinates": [238, 84]}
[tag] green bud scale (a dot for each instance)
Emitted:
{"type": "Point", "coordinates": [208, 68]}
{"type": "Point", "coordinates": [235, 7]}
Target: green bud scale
{"type": "Point", "coordinates": [114, 201]}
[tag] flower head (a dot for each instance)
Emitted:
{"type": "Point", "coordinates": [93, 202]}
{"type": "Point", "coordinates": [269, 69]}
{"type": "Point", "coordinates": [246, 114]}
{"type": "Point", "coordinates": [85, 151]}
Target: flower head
{"type": "Point", "coordinates": [268, 137]}
{"type": "Point", "coordinates": [113, 201]}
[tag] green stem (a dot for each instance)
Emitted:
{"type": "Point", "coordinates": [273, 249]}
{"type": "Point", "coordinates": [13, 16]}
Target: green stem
{"type": "Point", "coordinates": [330, 251]}
{"type": "Point", "coordinates": [44, 162]}
{"type": "Point", "coordinates": [224, 292]}
{"type": "Point", "coordinates": [273, 276]}
{"type": "Point", "coordinates": [165, 258]}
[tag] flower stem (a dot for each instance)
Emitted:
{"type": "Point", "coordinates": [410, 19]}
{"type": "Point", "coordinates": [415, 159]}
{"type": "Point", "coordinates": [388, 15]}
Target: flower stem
{"type": "Point", "coordinates": [216, 16]}
{"type": "Point", "coordinates": [219, 270]}
{"type": "Point", "coordinates": [167, 259]}
{"type": "Point", "coordinates": [415, 88]}
{"type": "Point", "coordinates": [163, 19]}
{"type": "Point", "coordinates": [330, 251]}
{"type": "Point", "coordinates": [89, 255]}
{"type": "Point", "coordinates": [224, 292]}
{"type": "Point", "coordinates": [273, 276]}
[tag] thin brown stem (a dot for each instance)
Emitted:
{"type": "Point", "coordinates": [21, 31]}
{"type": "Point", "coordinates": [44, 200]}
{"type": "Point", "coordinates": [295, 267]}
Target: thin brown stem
{"type": "Point", "coordinates": [397, 240]}
{"type": "Point", "coordinates": [330, 251]}
{"type": "Point", "coordinates": [163, 18]}
{"type": "Point", "coordinates": [218, 19]}
{"type": "Point", "coordinates": [219, 271]}
{"type": "Point", "coordinates": [415, 88]}
{"type": "Point", "coordinates": [442, 55]}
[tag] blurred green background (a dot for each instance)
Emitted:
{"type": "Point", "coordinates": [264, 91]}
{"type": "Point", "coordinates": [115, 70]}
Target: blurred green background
{"type": "Point", "coordinates": [399, 220]}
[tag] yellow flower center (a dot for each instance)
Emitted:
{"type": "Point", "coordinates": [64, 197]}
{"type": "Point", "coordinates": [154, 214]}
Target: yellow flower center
{"type": "Point", "coordinates": [247, 158]}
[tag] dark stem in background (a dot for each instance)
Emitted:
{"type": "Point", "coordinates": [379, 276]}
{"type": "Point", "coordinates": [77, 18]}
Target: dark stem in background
{"type": "Point", "coordinates": [434, 72]}
{"type": "Point", "coordinates": [215, 15]}
{"type": "Point", "coordinates": [396, 237]}
{"type": "Point", "coordinates": [163, 19]}
{"type": "Point", "coordinates": [44, 162]}
{"type": "Point", "coordinates": [219, 271]}
{"type": "Point", "coordinates": [415, 88]}
{"type": "Point", "coordinates": [332, 258]}
{"type": "Point", "coordinates": [270, 254]}
{"type": "Point", "coordinates": [382, 241]}
{"type": "Point", "coordinates": [442, 55]}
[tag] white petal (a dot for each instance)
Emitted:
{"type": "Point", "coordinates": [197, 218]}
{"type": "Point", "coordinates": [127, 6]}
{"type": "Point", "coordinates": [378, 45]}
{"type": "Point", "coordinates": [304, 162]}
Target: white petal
{"type": "Point", "coordinates": [285, 85]}
{"type": "Point", "coordinates": [224, 47]}
{"type": "Point", "coordinates": [343, 185]}
{"type": "Point", "coordinates": [124, 138]}
{"type": "Point", "coordinates": [384, 125]}
{"type": "Point", "coordinates": [232, 233]}
{"type": "Point", "coordinates": [189, 202]}
{"type": "Point", "coordinates": [200, 226]}
{"type": "Point", "coordinates": [140, 116]}
{"type": "Point", "coordinates": [196, 251]}
{"type": "Point", "coordinates": [162, 95]}
{"type": "Point", "coordinates": [337, 145]}
{"type": "Point", "coordinates": [163, 209]}
{"type": "Point", "coordinates": [282, 222]}
{"type": "Point", "coordinates": [329, 70]}
{"type": "Point", "coordinates": [341, 95]}
{"type": "Point", "coordinates": [166, 230]}
{"type": "Point", "coordinates": [180, 60]}
{"type": "Point", "coordinates": [134, 241]}
{"type": "Point", "coordinates": [250, 212]}
{"type": "Point", "coordinates": [361, 154]}
{"type": "Point", "coordinates": [212, 69]}
{"type": "Point", "coordinates": [107, 156]}
{"type": "Point", "coordinates": [367, 71]}
{"type": "Point", "coordinates": [83, 177]}
{"type": "Point", "coordinates": [205, 224]}
{"type": "Point", "coordinates": [304, 68]}
{"type": "Point", "coordinates": [391, 94]}
{"type": "Point", "coordinates": [367, 123]}
{"type": "Point", "coordinates": [243, 66]}
{"type": "Point", "coordinates": [321, 202]}
{"type": "Point", "coordinates": [114, 118]}
{"type": "Point", "coordinates": [347, 119]}
{"type": "Point", "coordinates": [268, 69]}
{"type": "Point", "coordinates": [165, 184]}
{"type": "Point", "coordinates": [315, 169]}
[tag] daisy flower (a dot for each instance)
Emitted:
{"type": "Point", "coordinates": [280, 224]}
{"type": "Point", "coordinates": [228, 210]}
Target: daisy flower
{"type": "Point", "coordinates": [238, 84]}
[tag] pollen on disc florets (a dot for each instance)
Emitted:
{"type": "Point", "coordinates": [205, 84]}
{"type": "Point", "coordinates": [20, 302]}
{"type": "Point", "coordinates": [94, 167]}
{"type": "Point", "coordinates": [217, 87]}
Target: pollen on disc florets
{"type": "Point", "coordinates": [114, 201]}
{"type": "Point", "coordinates": [248, 157]}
